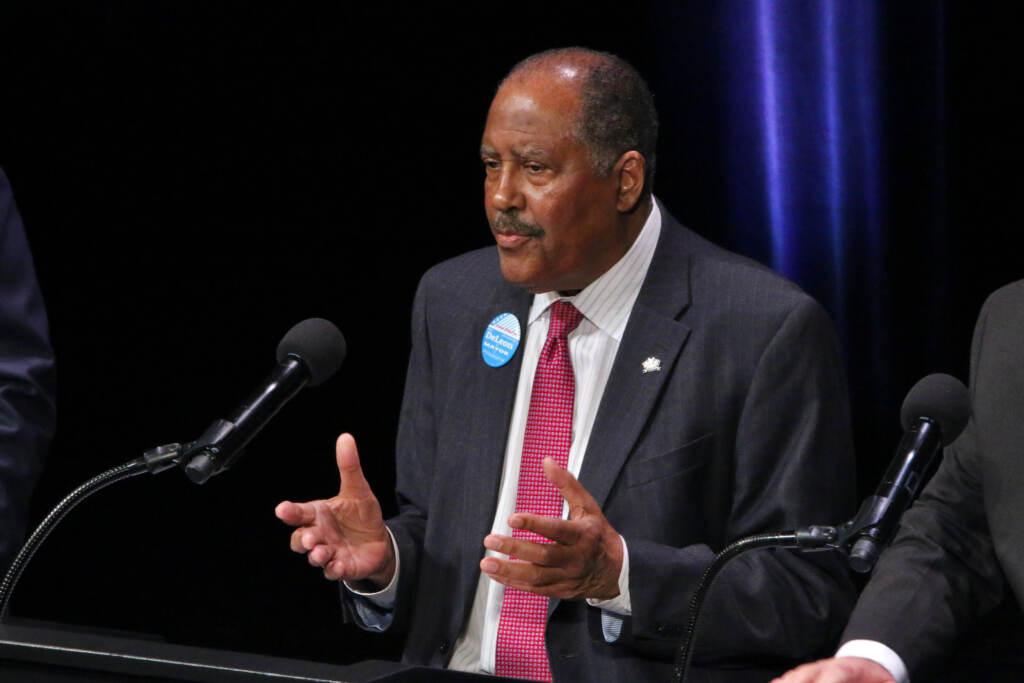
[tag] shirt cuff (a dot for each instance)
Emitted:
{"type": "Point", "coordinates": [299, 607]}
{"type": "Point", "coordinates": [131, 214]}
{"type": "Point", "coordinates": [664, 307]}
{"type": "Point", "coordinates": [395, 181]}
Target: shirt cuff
{"type": "Point", "coordinates": [876, 652]}
{"type": "Point", "coordinates": [620, 604]}
{"type": "Point", "coordinates": [385, 597]}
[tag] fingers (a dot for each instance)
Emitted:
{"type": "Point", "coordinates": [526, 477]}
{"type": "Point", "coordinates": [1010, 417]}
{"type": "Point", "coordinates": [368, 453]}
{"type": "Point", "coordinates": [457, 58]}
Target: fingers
{"type": "Point", "coordinates": [806, 673]}
{"type": "Point", "coordinates": [543, 554]}
{"type": "Point", "coordinates": [309, 540]}
{"type": "Point", "coordinates": [342, 535]}
{"type": "Point", "coordinates": [526, 576]}
{"type": "Point", "coordinates": [579, 499]}
{"type": "Point", "coordinates": [296, 514]}
{"type": "Point", "coordinates": [558, 530]}
{"type": "Point", "coordinates": [295, 542]}
{"type": "Point", "coordinates": [305, 539]}
{"type": "Point", "coordinates": [353, 483]}
{"type": "Point", "coordinates": [334, 567]}
{"type": "Point", "coordinates": [319, 554]}
{"type": "Point", "coordinates": [335, 571]}
{"type": "Point", "coordinates": [839, 670]}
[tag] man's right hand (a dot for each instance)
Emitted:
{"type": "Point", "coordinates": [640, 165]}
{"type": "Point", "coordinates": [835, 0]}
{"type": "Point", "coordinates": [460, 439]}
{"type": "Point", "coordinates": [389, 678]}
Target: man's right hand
{"type": "Point", "coordinates": [838, 670]}
{"type": "Point", "coordinates": [345, 534]}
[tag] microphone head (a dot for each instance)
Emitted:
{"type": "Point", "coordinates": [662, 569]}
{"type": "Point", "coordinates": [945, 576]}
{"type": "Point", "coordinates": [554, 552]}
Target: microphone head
{"type": "Point", "coordinates": [940, 398]}
{"type": "Point", "coordinates": [319, 344]}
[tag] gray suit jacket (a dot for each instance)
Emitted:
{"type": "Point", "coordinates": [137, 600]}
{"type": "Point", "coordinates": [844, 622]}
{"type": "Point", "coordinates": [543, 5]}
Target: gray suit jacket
{"type": "Point", "coordinates": [964, 539]}
{"type": "Point", "coordinates": [745, 429]}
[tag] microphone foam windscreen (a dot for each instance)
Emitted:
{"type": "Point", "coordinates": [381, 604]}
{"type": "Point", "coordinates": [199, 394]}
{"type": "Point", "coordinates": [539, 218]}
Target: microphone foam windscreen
{"type": "Point", "coordinates": [320, 345]}
{"type": "Point", "coordinates": [943, 399]}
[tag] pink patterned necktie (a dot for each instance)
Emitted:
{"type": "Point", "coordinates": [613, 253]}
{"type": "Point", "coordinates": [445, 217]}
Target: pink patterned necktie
{"type": "Point", "coordinates": [520, 651]}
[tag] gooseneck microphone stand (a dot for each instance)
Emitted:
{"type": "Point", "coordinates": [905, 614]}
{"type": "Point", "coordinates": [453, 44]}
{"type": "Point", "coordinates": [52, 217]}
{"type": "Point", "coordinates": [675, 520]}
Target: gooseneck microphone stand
{"type": "Point", "coordinates": [154, 461]}
{"type": "Point", "coordinates": [859, 540]}
{"type": "Point", "coordinates": [813, 537]}
{"type": "Point", "coordinates": [310, 353]}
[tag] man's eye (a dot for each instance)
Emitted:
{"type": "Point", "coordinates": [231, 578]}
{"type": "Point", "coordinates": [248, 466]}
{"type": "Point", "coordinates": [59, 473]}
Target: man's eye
{"type": "Point", "coordinates": [533, 167]}
{"type": "Point", "coordinates": [492, 164]}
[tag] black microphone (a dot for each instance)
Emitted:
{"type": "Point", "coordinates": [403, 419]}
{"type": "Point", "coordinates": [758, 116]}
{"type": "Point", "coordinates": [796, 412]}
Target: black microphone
{"type": "Point", "coordinates": [934, 413]}
{"type": "Point", "coordinates": [310, 353]}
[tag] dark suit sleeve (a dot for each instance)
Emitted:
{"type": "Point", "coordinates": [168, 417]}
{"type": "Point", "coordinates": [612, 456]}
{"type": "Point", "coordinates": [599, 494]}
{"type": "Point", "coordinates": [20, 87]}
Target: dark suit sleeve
{"type": "Point", "coordinates": [941, 572]}
{"type": "Point", "coordinates": [26, 377]}
{"type": "Point", "coordinates": [791, 466]}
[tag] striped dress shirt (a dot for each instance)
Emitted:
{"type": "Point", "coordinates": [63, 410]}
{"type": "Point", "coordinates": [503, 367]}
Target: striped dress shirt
{"type": "Point", "coordinates": [605, 304]}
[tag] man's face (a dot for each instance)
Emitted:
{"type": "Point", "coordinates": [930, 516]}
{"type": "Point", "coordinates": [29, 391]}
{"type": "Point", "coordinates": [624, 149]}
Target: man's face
{"type": "Point", "coordinates": [555, 220]}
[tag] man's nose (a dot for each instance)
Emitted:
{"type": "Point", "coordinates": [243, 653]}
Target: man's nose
{"type": "Point", "coordinates": [503, 190]}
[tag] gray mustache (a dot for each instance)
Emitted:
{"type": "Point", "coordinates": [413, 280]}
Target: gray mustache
{"type": "Point", "coordinates": [506, 222]}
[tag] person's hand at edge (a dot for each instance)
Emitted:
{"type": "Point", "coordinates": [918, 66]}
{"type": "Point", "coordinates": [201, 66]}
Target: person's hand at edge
{"type": "Point", "coordinates": [838, 670]}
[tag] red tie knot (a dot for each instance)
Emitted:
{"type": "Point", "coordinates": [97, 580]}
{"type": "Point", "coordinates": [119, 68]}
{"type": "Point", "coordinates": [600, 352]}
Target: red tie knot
{"type": "Point", "coordinates": [564, 319]}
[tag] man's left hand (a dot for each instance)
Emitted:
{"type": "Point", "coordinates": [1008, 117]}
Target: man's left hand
{"type": "Point", "coordinates": [584, 559]}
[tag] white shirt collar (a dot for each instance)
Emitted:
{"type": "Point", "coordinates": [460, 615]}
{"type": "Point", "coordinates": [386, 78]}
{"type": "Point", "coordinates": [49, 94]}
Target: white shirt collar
{"type": "Point", "coordinates": [608, 300]}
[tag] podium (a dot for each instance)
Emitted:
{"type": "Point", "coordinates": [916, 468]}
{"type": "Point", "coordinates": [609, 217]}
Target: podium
{"type": "Point", "coordinates": [59, 654]}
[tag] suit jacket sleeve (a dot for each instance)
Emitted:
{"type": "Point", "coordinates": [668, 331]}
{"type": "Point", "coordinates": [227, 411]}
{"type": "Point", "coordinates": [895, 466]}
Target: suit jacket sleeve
{"type": "Point", "coordinates": [26, 377]}
{"type": "Point", "coordinates": [791, 466]}
{"type": "Point", "coordinates": [941, 572]}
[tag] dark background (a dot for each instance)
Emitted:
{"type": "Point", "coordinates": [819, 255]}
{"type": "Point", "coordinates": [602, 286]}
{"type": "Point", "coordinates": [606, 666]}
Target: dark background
{"type": "Point", "coordinates": [197, 177]}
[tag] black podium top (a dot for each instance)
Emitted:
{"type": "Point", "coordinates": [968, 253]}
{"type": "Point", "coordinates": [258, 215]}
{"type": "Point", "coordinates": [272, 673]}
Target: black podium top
{"type": "Point", "coordinates": [58, 654]}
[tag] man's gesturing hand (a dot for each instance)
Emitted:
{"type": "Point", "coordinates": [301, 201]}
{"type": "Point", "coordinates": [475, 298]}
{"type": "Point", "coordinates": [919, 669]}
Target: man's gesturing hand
{"type": "Point", "coordinates": [583, 562]}
{"type": "Point", "coordinates": [345, 534]}
{"type": "Point", "coordinates": [838, 670]}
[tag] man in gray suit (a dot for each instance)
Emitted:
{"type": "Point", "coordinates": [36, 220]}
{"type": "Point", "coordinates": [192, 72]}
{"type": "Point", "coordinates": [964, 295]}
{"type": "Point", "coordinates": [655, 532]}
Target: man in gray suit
{"type": "Point", "coordinates": [960, 546]}
{"type": "Point", "coordinates": [708, 405]}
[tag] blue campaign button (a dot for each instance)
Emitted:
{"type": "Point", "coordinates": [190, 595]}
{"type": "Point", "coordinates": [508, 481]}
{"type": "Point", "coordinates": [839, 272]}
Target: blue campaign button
{"type": "Point", "coordinates": [501, 339]}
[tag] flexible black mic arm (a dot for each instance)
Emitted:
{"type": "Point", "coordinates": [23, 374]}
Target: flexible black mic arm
{"type": "Point", "coordinates": [812, 537]}
{"type": "Point", "coordinates": [309, 353]}
{"type": "Point", "coordinates": [935, 412]}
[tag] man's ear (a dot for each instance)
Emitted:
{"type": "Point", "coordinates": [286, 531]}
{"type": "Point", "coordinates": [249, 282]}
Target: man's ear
{"type": "Point", "coordinates": [629, 169]}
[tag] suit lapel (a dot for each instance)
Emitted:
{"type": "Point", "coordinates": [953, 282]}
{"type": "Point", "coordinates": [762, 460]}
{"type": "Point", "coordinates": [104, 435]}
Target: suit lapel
{"type": "Point", "coordinates": [631, 394]}
{"type": "Point", "coordinates": [490, 409]}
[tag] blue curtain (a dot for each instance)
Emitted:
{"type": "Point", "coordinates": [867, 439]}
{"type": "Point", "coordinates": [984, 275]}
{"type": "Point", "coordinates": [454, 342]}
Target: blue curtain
{"type": "Point", "coordinates": [820, 128]}
{"type": "Point", "coordinates": [804, 164]}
